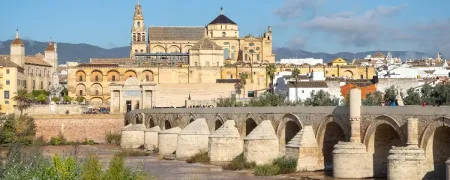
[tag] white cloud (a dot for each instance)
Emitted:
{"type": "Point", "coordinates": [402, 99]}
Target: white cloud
{"type": "Point", "coordinates": [294, 8]}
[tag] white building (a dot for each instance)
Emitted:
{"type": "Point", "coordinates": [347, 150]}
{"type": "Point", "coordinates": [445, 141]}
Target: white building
{"type": "Point", "coordinates": [281, 79]}
{"type": "Point", "coordinates": [303, 89]}
{"type": "Point", "coordinates": [310, 61]}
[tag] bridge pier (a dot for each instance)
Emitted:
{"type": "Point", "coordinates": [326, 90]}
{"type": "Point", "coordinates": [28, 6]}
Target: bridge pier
{"type": "Point", "coordinates": [350, 158]}
{"type": "Point", "coordinates": [132, 136]}
{"type": "Point", "coordinates": [261, 145]}
{"type": "Point", "coordinates": [407, 162]}
{"type": "Point", "coordinates": [167, 140]}
{"type": "Point", "coordinates": [304, 148]}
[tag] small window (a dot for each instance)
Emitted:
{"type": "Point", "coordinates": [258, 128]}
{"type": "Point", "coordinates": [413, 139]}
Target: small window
{"type": "Point", "coordinates": [81, 92]}
{"type": "Point", "coordinates": [96, 78]}
{"type": "Point", "coordinates": [251, 44]}
{"type": "Point", "coordinates": [147, 77]}
{"type": "Point", "coordinates": [96, 92]}
{"type": "Point", "coordinates": [226, 43]}
{"type": "Point", "coordinates": [80, 78]}
{"type": "Point", "coordinates": [113, 78]}
{"type": "Point", "coordinates": [224, 34]}
{"type": "Point", "coordinates": [6, 94]}
{"type": "Point", "coordinates": [303, 91]}
{"type": "Point", "coordinates": [7, 71]}
{"type": "Point", "coordinates": [7, 82]}
{"type": "Point", "coordinates": [42, 85]}
{"type": "Point", "coordinates": [257, 48]}
{"type": "Point", "coordinates": [251, 94]}
{"type": "Point", "coordinates": [6, 102]}
{"type": "Point", "coordinates": [138, 24]}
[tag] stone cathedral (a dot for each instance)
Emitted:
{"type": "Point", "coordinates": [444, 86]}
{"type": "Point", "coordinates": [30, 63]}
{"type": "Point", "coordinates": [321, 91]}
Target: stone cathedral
{"type": "Point", "coordinates": [222, 30]}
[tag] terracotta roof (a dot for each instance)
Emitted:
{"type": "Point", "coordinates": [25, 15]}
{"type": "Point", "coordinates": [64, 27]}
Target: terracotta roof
{"type": "Point", "coordinates": [222, 19]}
{"type": "Point", "coordinates": [378, 55]}
{"type": "Point", "coordinates": [17, 41]}
{"type": "Point", "coordinates": [206, 44]}
{"type": "Point", "coordinates": [33, 60]}
{"type": "Point", "coordinates": [308, 84]}
{"type": "Point", "coordinates": [5, 61]}
{"type": "Point", "coordinates": [113, 61]}
{"type": "Point", "coordinates": [50, 47]}
{"type": "Point", "coordinates": [176, 33]}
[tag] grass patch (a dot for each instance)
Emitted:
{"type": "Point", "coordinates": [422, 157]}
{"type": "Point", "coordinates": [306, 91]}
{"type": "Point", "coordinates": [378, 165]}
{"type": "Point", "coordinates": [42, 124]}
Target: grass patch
{"type": "Point", "coordinates": [199, 158]}
{"type": "Point", "coordinates": [286, 165]}
{"type": "Point", "coordinates": [128, 153]}
{"type": "Point", "coordinates": [239, 163]}
{"type": "Point", "coordinates": [113, 138]}
{"type": "Point", "coordinates": [281, 165]}
{"type": "Point", "coordinates": [266, 170]}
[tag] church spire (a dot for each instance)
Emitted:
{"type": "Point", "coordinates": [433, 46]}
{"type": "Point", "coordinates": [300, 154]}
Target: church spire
{"type": "Point", "coordinates": [138, 12]}
{"type": "Point", "coordinates": [17, 33]}
{"type": "Point", "coordinates": [221, 10]}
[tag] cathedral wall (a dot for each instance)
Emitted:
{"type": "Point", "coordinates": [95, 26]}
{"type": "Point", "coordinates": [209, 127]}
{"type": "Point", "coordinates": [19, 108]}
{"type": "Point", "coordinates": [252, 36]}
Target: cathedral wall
{"type": "Point", "coordinates": [170, 46]}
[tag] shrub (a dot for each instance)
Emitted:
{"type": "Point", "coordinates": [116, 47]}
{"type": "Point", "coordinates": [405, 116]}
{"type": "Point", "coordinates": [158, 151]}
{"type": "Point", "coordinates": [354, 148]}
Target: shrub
{"type": "Point", "coordinates": [113, 138]}
{"type": "Point", "coordinates": [64, 168]}
{"type": "Point", "coordinates": [199, 157]}
{"type": "Point", "coordinates": [91, 169]}
{"type": "Point", "coordinates": [88, 142]}
{"type": "Point", "coordinates": [17, 130]}
{"type": "Point", "coordinates": [239, 163]}
{"type": "Point", "coordinates": [24, 164]}
{"type": "Point", "coordinates": [266, 170]}
{"type": "Point", "coordinates": [286, 165]}
{"type": "Point", "coordinates": [58, 140]}
{"type": "Point", "coordinates": [126, 153]}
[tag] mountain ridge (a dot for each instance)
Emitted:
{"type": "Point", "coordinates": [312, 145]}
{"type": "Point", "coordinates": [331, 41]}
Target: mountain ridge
{"type": "Point", "coordinates": [82, 52]}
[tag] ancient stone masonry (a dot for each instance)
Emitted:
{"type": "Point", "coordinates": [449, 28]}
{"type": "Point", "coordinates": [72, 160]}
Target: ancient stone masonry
{"type": "Point", "coordinates": [151, 138]}
{"type": "Point", "coordinates": [132, 136]}
{"type": "Point", "coordinates": [407, 162]}
{"type": "Point", "coordinates": [349, 157]}
{"type": "Point", "coordinates": [193, 139]}
{"type": "Point", "coordinates": [167, 140]}
{"type": "Point", "coordinates": [225, 143]}
{"type": "Point", "coordinates": [303, 147]}
{"type": "Point", "coordinates": [261, 145]}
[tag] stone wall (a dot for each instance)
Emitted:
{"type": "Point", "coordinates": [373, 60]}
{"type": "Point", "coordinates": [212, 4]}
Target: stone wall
{"type": "Point", "coordinates": [53, 109]}
{"type": "Point", "coordinates": [78, 127]}
{"type": "Point", "coordinates": [403, 83]}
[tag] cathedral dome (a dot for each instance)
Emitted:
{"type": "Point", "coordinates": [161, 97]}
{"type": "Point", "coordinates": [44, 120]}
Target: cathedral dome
{"type": "Point", "coordinates": [222, 19]}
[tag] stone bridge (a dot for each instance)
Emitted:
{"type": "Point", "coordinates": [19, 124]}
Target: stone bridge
{"type": "Point", "coordinates": [380, 128]}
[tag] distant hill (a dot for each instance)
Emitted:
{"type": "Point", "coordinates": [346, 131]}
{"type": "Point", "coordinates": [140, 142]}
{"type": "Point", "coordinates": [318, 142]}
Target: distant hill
{"type": "Point", "coordinates": [83, 52]}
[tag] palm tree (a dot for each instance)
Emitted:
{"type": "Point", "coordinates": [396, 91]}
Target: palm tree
{"type": "Point", "coordinates": [243, 81]}
{"type": "Point", "coordinates": [23, 99]}
{"type": "Point", "coordinates": [296, 74]}
{"type": "Point", "coordinates": [271, 69]}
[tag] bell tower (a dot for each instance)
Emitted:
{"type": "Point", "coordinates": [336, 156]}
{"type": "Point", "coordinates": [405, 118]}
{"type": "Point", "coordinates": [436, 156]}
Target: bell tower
{"type": "Point", "coordinates": [138, 32]}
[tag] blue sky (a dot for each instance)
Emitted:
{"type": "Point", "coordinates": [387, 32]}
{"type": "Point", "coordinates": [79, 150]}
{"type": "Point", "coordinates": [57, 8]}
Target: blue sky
{"type": "Point", "coordinates": [313, 25]}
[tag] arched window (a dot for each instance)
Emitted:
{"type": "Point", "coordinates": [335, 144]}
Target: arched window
{"type": "Point", "coordinates": [80, 78]}
{"type": "Point", "coordinates": [138, 24]}
{"type": "Point", "coordinates": [143, 37]}
{"type": "Point", "coordinates": [113, 78]}
{"type": "Point", "coordinates": [96, 78]}
{"type": "Point", "coordinates": [142, 50]}
{"type": "Point", "coordinates": [135, 51]}
{"type": "Point", "coordinates": [139, 37]}
{"type": "Point", "coordinates": [134, 37]}
{"type": "Point", "coordinates": [224, 34]}
{"type": "Point", "coordinates": [226, 53]}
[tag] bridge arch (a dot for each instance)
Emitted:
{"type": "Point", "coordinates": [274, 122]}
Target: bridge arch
{"type": "Point", "coordinates": [330, 131]}
{"type": "Point", "coordinates": [383, 133]}
{"type": "Point", "coordinates": [218, 122]}
{"type": "Point", "coordinates": [435, 142]}
{"type": "Point", "coordinates": [288, 127]}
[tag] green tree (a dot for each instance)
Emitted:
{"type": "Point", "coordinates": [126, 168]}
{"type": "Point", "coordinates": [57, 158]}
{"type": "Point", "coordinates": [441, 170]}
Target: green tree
{"type": "Point", "coordinates": [321, 98]}
{"type": "Point", "coordinates": [425, 94]}
{"type": "Point", "coordinates": [79, 99]}
{"type": "Point", "coordinates": [67, 99]}
{"type": "Point", "coordinates": [23, 99]}
{"type": "Point", "coordinates": [413, 97]}
{"type": "Point", "coordinates": [228, 102]}
{"type": "Point", "coordinates": [441, 95]}
{"type": "Point", "coordinates": [55, 99]}
{"type": "Point", "coordinates": [296, 74]}
{"type": "Point", "coordinates": [42, 98]}
{"type": "Point", "coordinates": [271, 69]}
{"type": "Point", "coordinates": [373, 99]}
{"type": "Point", "coordinates": [19, 129]}
{"type": "Point", "coordinates": [390, 95]}
{"type": "Point", "coordinates": [243, 81]}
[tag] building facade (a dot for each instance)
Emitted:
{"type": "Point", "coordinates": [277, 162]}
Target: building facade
{"type": "Point", "coordinates": [19, 71]}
